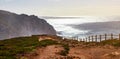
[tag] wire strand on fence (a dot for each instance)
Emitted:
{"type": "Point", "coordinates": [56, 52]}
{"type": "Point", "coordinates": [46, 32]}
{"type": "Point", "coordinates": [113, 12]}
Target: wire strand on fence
{"type": "Point", "coordinates": [97, 38]}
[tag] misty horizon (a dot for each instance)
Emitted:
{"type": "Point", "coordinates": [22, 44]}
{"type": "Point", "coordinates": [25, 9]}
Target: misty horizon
{"type": "Point", "coordinates": [71, 27]}
{"type": "Point", "coordinates": [63, 13]}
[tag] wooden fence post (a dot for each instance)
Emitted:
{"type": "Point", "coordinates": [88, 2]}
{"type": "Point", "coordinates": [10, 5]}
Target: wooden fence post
{"type": "Point", "coordinates": [89, 38]}
{"type": "Point", "coordinates": [119, 36]}
{"type": "Point", "coordinates": [92, 38]}
{"type": "Point", "coordinates": [105, 36]}
{"type": "Point", "coordinates": [86, 39]}
{"type": "Point", "coordinates": [111, 36]}
{"type": "Point", "coordinates": [96, 38]}
{"type": "Point", "coordinates": [100, 38]}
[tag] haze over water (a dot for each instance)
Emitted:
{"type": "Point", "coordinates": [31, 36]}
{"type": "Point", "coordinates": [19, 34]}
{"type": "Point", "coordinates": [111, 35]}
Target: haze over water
{"type": "Point", "coordinates": [64, 28]}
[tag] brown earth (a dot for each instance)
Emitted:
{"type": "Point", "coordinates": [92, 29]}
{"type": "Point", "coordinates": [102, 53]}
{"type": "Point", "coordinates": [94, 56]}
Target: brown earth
{"type": "Point", "coordinates": [77, 51]}
{"type": "Point", "coordinates": [95, 53]}
{"type": "Point", "coordinates": [48, 52]}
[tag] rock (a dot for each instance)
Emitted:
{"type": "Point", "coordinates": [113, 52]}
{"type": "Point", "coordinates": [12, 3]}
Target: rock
{"type": "Point", "coordinates": [112, 54]}
{"type": "Point", "coordinates": [14, 25]}
{"type": "Point", "coordinates": [115, 53]}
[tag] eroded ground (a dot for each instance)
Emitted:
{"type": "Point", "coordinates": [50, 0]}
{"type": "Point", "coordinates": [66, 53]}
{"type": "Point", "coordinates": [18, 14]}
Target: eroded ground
{"type": "Point", "coordinates": [78, 50]}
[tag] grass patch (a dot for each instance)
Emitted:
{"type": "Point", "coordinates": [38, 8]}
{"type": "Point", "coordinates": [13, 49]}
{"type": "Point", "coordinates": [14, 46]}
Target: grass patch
{"type": "Point", "coordinates": [113, 42]}
{"type": "Point", "coordinates": [9, 48]}
{"type": "Point", "coordinates": [65, 51]}
{"type": "Point", "coordinates": [46, 42]}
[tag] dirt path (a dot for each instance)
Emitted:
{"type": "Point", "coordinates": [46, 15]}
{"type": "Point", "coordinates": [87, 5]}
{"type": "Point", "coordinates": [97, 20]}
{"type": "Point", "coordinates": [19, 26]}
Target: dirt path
{"type": "Point", "coordinates": [78, 51]}
{"type": "Point", "coordinates": [50, 52]}
{"type": "Point", "coordinates": [46, 52]}
{"type": "Point", "coordinates": [95, 53]}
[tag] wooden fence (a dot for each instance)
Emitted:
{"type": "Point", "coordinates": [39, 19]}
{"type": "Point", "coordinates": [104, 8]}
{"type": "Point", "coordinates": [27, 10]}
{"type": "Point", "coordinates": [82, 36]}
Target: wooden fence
{"type": "Point", "coordinates": [97, 38]}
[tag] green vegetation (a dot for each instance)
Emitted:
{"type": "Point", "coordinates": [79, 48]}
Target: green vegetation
{"type": "Point", "coordinates": [46, 42]}
{"type": "Point", "coordinates": [12, 48]}
{"type": "Point", "coordinates": [65, 51]}
{"type": "Point", "coordinates": [9, 48]}
{"type": "Point", "coordinates": [113, 42]}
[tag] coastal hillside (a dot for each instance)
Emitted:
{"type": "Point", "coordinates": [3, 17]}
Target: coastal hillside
{"type": "Point", "coordinates": [14, 25]}
{"type": "Point", "coordinates": [32, 48]}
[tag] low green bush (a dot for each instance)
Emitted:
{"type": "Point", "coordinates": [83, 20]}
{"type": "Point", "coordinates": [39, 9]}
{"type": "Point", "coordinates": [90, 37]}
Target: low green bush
{"type": "Point", "coordinates": [65, 51]}
{"type": "Point", "coordinates": [113, 42]}
{"type": "Point", "coordinates": [9, 48]}
{"type": "Point", "coordinates": [46, 42]}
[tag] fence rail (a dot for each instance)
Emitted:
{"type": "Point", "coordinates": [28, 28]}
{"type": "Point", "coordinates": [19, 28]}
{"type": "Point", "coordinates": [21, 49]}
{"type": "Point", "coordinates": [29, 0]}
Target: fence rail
{"type": "Point", "coordinates": [97, 38]}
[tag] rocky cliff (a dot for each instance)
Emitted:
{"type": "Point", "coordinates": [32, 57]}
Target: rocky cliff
{"type": "Point", "coordinates": [14, 25]}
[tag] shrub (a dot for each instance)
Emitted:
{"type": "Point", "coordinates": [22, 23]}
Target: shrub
{"type": "Point", "coordinates": [46, 42]}
{"type": "Point", "coordinates": [113, 42]}
{"type": "Point", "coordinates": [65, 51]}
{"type": "Point", "coordinates": [9, 48]}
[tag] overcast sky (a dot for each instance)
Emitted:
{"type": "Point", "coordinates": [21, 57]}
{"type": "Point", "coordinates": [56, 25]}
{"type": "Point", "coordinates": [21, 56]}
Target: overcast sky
{"type": "Point", "coordinates": [63, 7]}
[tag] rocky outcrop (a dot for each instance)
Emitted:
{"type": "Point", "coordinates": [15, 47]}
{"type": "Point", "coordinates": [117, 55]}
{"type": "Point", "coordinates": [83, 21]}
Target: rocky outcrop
{"type": "Point", "coordinates": [14, 25]}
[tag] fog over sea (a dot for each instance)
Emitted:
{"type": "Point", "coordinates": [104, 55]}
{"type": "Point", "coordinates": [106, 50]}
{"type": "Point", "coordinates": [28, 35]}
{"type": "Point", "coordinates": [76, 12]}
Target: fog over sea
{"type": "Point", "coordinates": [85, 25]}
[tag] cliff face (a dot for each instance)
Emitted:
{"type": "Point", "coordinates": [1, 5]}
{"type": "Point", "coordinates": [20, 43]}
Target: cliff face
{"type": "Point", "coordinates": [13, 25]}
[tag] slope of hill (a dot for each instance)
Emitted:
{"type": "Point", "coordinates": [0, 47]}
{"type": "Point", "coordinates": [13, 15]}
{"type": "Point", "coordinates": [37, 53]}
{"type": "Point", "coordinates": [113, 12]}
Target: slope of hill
{"type": "Point", "coordinates": [10, 48]}
{"type": "Point", "coordinates": [31, 48]}
{"type": "Point", "coordinates": [14, 25]}
{"type": "Point", "coordinates": [17, 48]}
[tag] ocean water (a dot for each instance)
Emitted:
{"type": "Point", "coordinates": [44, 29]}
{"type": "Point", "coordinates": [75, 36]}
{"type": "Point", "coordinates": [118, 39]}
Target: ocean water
{"type": "Point", "coordinates": [62, 28]}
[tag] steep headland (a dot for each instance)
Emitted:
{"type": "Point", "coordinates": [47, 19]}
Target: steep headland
{"type": "Point", "coordinates": [14, 25]}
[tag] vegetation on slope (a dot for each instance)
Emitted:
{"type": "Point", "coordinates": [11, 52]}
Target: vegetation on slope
{"type": "Point", "coordinates": [46, 42]}
{"type": "Point", "coordinates": [113, 42]}
{"type": "Point", "coordinates": [65, 51]}
{"type": "Point", "coordinates": [11, 48]}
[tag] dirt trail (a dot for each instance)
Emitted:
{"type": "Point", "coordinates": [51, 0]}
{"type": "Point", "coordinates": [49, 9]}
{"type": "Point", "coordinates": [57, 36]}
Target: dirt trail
{"type": "Point", "coordinates": [95, 53]}
{"type": "Point", "coordinates": [47, 52]}
{"type": "Point", "coordinates": [50, 52]}
{"type": "Point", "coordinates": [78, 51]}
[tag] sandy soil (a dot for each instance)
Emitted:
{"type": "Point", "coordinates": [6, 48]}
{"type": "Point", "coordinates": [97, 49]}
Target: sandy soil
{"type": "Point", "coordinates": [77, 51]}
{"type": "Point", "coordinates": [95, 53]}
{"type": "Point", "coordinates": [48, 52]}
